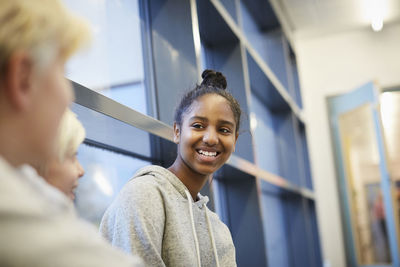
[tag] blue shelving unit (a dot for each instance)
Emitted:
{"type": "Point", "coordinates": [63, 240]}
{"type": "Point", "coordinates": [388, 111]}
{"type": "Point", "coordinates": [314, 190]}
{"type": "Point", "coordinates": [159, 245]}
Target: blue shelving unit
{"type": "Point", "coordinates": [264, 194]}
{"type": "Point", "coordinates": [265, 36]}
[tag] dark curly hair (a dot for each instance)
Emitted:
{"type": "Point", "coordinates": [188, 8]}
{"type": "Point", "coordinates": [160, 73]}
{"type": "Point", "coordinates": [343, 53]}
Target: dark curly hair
{"type": "Point", "coordinates": [213, 83]}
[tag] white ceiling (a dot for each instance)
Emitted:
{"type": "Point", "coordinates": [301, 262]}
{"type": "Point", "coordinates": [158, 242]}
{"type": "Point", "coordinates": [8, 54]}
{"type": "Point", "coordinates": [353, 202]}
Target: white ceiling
{"type": "Point", "coordinates": [312, 18]}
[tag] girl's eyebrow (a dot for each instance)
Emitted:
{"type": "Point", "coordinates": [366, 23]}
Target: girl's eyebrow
{"type": "Point", "coordinates": [205, 120]}
{"type": "Point", "coordinates": [226, 122]}
{"type": "Point", "coordinates": [198, 118]}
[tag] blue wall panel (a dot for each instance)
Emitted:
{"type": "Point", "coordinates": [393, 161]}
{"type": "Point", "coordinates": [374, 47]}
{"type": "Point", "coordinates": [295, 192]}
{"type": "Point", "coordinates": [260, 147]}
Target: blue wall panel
{"type": "Point", "coordinates": [289, 168]}
{"type": "Point", "coordinates": [264, 137]}
{"type": "Point", "coordinates": [305, 157]}
{"type": "Point", "coordinates": [269, 44]}
{"type": "Point", "coordinates": [298, 234]}
{"type": "Point", "coordinates": [316, 249]}
{"type": "Point", "coordinates": [275, 229]}
{"type": "Point", "coordinates": [240, 197]}
{"type": "Point", "coordinates": [173, 51]}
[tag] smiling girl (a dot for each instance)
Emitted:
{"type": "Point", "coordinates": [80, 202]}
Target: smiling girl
{"type": "Point", "coordinates": [160, 214]}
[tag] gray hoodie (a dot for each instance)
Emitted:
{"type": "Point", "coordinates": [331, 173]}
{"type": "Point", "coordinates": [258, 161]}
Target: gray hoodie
{"type": "Point", "coordinates": [155, 218]}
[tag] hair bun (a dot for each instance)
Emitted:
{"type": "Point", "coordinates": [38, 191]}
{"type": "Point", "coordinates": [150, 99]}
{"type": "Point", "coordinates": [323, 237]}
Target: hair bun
{"type": "Point", "coordinates": [214, 79]}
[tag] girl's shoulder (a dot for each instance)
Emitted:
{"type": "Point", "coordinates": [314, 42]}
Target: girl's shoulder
{"type": "Point", "coordinates": [216, 221]}
{"type": "Point", "coordinates": [142, 193]}
{"type": "Point", "coordinates": [146, 184]}
{"type": "Point", "coordinates": [150, 179]}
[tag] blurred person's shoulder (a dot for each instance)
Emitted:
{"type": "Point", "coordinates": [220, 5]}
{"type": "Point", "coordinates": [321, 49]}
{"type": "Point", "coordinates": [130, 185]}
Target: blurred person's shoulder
{"type": "Point", "coordinates": [15, 192]}
{"type": "Point", "coordinates": [23, 190]}
{"type": "Point", "coordinates": [33, 224]}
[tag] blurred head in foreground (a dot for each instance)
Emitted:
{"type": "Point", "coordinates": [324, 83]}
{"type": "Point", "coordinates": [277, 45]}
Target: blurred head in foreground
{"type": "Point", "coordinates": [36, 39]}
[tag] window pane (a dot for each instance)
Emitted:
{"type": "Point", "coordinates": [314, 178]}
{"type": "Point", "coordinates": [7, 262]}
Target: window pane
{"type": "Point", "coordinates": [113, 64]}
{"type": "Point", "coordinates": [106, 173]}
{"type": "Point", "coordinates": [113, 132]}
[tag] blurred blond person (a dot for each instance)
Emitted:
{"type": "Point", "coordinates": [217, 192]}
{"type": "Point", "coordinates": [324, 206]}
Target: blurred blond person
{"type": "Point", "coordinates": [36, 39]}
{"type": "Point", "coordinates": [64, 170]}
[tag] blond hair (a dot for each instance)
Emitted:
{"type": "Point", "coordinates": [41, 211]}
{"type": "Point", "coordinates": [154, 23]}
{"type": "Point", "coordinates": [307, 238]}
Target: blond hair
{"type": "Point", "coordinates": [43, 28]}
{"type": "Point", "coordinates": [70, 135]}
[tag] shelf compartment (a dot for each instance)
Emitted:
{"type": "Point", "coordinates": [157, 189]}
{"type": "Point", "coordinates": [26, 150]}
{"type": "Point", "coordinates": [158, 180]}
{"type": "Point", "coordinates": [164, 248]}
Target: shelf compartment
{"type": "Point", "coordinates": [265, 36]}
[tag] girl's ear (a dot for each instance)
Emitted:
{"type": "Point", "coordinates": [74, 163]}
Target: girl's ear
{"type": "Point", "coordinates": [177, 132]}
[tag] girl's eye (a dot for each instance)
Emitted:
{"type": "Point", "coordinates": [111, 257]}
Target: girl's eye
{"type": "Point", "coordinates": [197, 126]}
{"type": "Point", "coordinates": [225, 130]}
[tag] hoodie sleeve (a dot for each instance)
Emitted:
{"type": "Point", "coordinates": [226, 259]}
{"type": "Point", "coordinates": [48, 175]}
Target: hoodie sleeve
{"type": "Point", "coordinates": [135, 221]}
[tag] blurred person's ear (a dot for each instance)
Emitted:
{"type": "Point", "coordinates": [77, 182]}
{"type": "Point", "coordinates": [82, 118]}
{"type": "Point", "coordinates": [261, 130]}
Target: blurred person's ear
{"type": "Point", "coordinates": [18, 79]}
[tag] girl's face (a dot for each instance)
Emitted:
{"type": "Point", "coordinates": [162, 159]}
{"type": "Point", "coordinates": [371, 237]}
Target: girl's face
{"type": "Point", "coordinates": [64, 175]}
{"type": "Point", "coordinates": [207, 135]}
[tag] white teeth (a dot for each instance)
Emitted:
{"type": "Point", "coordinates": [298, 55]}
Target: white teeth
{"type": "Point", "coordinates": [208, 154]}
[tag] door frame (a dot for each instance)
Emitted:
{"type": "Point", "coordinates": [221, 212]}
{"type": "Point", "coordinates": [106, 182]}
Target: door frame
{"type": "Point", "coordinates": [340, 104]}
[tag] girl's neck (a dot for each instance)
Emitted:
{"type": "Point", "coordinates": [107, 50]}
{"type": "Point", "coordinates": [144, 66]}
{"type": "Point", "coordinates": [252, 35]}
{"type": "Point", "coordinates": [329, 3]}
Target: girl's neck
{"type": "Point", "coordinates": [192, 180]}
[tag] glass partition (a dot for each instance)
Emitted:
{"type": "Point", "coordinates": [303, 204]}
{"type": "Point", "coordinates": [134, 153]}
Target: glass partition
{"type": "Point", "coordinates": [106, 172]}
{"type": "Point", "coordinates": [113, 64]}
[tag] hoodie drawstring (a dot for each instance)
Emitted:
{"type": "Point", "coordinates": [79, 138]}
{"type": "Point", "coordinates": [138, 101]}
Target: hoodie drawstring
{"type": "Point", "coordinates": [189, 197]}
{"type": "Point", "coordinates": [210, 230]}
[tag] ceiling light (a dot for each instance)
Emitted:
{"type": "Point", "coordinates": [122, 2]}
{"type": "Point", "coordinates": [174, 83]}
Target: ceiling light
{"type": "Point", "coordinates": [375, 12]}
{"type": "Point", "coordinates": [377, 25]}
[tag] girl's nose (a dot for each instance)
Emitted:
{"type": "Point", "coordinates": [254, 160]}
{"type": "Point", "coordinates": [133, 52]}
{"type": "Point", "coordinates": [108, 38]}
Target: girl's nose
{"type": "Point", "coordinates": [210, 137]}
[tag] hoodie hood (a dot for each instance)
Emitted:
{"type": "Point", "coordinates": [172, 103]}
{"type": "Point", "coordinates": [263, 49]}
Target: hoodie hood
{"type": "Point", "coordinates": [154, 216]}
{"type": "Point", "coordinates": [163, 173]}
